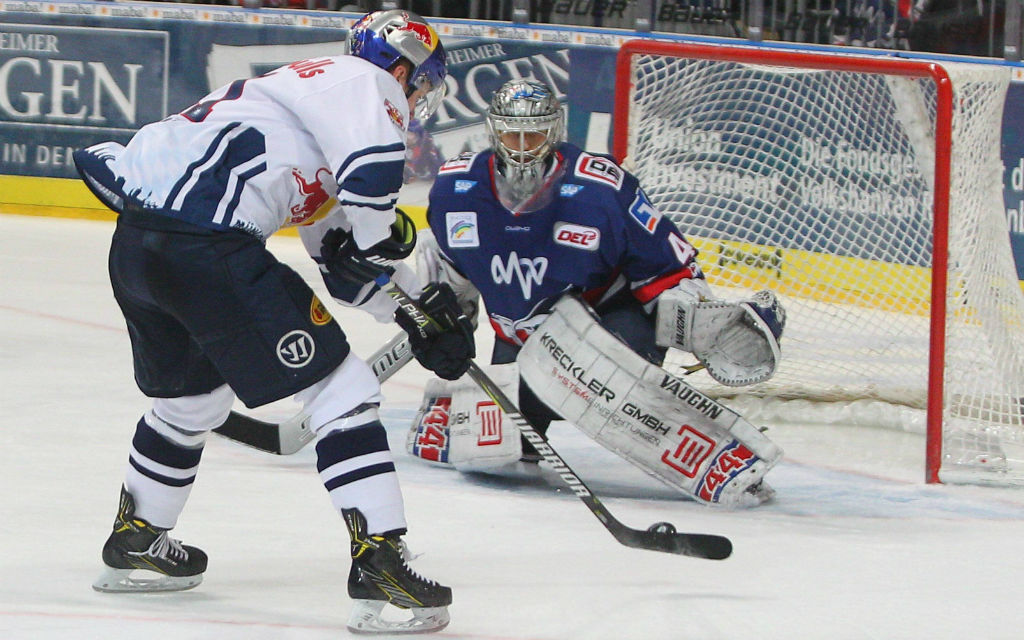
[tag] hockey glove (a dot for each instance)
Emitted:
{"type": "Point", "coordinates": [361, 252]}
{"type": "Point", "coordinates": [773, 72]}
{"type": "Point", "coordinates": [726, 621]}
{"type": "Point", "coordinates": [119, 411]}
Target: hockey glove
{"type": "Point", "coordinates": [446, 345]}
{"type": "Point", "coordinates": [347, 261]}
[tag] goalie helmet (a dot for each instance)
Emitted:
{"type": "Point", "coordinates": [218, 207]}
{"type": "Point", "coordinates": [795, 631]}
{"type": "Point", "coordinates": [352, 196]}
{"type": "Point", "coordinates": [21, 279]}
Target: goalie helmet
{"type": "Point", "coordinates": [531, 113]}
{"type": "Point", "coordinates": [385, 37]}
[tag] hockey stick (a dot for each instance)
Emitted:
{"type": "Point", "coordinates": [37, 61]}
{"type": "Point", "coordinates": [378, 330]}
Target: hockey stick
{"type": "Point", "coordinates": [291, 435]}
{"type": "Point", "coordinates": [661, 536]}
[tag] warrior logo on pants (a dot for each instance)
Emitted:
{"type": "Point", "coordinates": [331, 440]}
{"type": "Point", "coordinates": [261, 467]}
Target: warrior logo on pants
{"type": "Point", "coordinates": [295, 349]}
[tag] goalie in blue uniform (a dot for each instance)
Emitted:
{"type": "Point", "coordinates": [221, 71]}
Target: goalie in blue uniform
{"type": "Point", "coordinates": [534, 220]}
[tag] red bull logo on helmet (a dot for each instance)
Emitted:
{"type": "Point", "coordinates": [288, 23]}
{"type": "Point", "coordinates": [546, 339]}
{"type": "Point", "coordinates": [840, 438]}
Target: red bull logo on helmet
{"type": "Point", "coordinates": [423, 32]}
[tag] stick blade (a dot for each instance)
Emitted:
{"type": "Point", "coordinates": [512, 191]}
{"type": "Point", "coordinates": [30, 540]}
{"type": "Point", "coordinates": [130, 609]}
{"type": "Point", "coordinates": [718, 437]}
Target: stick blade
{"type": "Point", "coordinates": [258, 434]}
{"type": "Point", "coordinates": [694, 545]}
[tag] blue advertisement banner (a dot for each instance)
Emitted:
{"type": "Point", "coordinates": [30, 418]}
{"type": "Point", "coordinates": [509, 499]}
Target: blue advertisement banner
{"type": "Point", "coordinates": [60, 88]}
{"type": "Point", "coordinates": [76, 73]}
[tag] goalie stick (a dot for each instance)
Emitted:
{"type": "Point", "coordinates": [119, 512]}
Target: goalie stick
{"type": "Point", "coordinates": [661, 536]}
{"type": "Point", "coordinates": [287, 437]}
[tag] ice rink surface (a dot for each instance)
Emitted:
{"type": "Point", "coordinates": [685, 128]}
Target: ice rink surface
{"type": "Point", "coordinates": [855, 546]}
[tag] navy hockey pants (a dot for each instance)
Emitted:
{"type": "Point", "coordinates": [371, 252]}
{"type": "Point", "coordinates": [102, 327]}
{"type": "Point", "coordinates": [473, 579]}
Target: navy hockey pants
{"type": "Point", "coordinates": [207, 307]}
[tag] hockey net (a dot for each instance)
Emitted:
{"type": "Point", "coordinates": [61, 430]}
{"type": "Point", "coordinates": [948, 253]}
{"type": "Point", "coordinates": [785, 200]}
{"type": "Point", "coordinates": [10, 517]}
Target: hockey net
{"type": "Point", "coordinates": [867, 192]}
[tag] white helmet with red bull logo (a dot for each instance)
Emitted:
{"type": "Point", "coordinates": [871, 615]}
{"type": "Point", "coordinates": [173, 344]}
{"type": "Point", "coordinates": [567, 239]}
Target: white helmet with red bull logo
{"type": "Point", "coordinates": [385, 37]}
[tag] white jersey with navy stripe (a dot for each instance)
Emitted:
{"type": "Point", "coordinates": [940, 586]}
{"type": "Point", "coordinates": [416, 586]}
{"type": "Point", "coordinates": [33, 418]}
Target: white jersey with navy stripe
{"type": "Point", "coordinates": [318, 137]}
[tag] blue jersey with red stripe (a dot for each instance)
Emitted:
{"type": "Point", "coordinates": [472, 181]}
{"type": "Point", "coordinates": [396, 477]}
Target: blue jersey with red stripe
{"type": "Point", "coordinates": [598, 235]}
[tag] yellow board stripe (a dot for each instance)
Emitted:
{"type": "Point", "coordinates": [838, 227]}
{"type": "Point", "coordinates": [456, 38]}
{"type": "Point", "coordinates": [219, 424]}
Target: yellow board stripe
{"type": "Point", "coordinates": [804, 274]}
{"type": "Point", "coordinates": [817, 276]}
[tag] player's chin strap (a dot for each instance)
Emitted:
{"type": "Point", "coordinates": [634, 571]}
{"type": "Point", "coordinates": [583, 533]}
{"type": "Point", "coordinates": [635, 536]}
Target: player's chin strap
{"type": "Point", "coordinates": [737, 342]}
{"type": "Point", "coordinates": [659, 537]}
{"type": "Point", "coordinates": [641, 412]}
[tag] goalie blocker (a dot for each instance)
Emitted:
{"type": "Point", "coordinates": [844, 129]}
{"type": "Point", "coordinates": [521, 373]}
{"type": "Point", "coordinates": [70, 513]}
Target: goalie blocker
{"type": "Point", "coordinates": [628, 405]}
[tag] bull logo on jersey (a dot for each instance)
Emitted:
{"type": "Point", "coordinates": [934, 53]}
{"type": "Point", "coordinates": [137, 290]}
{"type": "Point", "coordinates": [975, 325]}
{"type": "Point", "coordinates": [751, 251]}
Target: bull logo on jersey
{"type": "Point", "coordinates": [526, 271]}
{"type": "Point", "coordinates": [313, 197]}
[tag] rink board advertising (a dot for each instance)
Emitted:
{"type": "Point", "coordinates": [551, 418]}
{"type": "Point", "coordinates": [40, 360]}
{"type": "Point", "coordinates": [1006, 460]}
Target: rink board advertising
{"type": "Point", "coordinates": [72, 74]}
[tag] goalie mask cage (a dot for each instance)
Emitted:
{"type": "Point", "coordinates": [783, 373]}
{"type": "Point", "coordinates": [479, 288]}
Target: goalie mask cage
{"type": "Point", "coordinates": [866, 191]}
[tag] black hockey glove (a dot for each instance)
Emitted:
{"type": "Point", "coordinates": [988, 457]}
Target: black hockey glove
{"type": "Point", "coordinates": [345, 260]}
{"type": "Point", "coordinates": [447, 346]}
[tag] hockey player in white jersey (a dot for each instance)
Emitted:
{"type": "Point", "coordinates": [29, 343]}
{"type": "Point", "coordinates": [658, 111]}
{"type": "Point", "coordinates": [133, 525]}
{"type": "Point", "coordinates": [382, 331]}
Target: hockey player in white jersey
{"type": "Point", "coordinates": [213, 315]}
{"type": "Point", "coordinates": [531, 223]}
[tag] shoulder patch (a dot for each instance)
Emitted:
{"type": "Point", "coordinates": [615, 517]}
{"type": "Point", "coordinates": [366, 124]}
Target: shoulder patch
{"type": "Point", "coordinates": [644, 212]}
{"type": "Point", "coordinates": [395, 114]}
{"type": "Point", "coordinates": [599, 169]}
{"type": "Point", "coordinates": [461, 229]}
{"type": "Point", "coordinates": [569, 190]}
{"type": "Point", "coordinates": [462, 186]}
{"type": "Point", "coordinates": [459, 164]}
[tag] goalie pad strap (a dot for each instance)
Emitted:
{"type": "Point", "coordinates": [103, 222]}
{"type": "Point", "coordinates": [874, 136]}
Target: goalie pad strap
{"type": "Point", "coordinates": [641, 412]}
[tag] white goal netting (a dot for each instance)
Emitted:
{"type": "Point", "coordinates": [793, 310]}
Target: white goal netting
{"type": "Point", "coordinates": [821, 184]}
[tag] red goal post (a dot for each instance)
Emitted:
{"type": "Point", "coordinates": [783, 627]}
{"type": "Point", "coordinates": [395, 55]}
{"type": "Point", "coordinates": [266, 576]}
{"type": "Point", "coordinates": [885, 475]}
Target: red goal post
{"type": "Point", "coordinates": [842, 172]}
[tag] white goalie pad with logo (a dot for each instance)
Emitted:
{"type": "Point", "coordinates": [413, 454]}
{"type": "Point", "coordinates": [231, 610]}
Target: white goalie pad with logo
{"type": "Point", "coordinates": [644, 414]}
{"type": "Point", "coordinates": [458, 425]}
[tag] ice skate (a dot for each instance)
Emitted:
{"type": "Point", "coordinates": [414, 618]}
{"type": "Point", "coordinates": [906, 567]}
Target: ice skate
{"type": "Point", "coordinates": [163, 563]}
{"type": "Point", "coordinates": [380, 576]}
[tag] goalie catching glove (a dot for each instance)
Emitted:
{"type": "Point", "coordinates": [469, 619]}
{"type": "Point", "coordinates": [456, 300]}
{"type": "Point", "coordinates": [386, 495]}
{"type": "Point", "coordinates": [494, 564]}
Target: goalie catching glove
{"type": "Point", "coordinates": [445, 345]}
{"type": "Point", "coordinates": [344, 259]}
{"type": "Point", "coordinates": [738, 342]}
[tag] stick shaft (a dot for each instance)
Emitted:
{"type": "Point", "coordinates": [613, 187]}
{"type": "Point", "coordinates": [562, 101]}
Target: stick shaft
{"type": "Point", "coordinates": [690, 544]}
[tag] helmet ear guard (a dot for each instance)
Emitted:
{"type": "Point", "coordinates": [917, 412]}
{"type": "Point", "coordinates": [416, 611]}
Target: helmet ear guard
{"type": "Point", "coordinates": [385, 37]}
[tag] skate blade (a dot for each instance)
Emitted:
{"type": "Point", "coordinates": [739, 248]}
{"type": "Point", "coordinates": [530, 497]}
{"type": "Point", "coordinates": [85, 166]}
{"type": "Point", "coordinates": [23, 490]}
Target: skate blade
{"type": "Point", "coordinates": [366, 619]}
{"type": "Point", "coordinates": [121, 581]}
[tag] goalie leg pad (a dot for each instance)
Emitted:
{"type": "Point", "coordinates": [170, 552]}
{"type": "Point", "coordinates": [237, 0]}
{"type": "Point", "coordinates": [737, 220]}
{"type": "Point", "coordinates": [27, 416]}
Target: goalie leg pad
{"type": "Point", "coordinates": [642, 413]}
{"type": "Point", "coordinates": [460, 426]}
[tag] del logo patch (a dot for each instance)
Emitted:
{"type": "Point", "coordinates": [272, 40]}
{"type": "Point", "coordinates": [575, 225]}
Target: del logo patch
{"type": "Point", "coordinates": [599, 170]}
{"type": "Point", "coordinates": [577, 236]}
{"type": "Point", "coordinates": [462, 229]}
{"type": "Point", "coordinates": [318, 313]}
